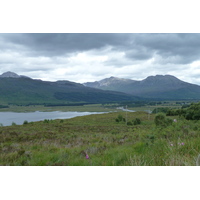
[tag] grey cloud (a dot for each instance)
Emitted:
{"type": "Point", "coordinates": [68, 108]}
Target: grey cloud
{"type": "Point", "coordinates": [172, 48]}
{"type": "Point", "coordinates": [50, 44]}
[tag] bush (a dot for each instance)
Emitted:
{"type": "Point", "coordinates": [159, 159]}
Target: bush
{"type": "Point", "coordinates": [46, 121]}
{"type": "Point", "coordinates": [137, 121]}
{"type": "Point", "coordinates": [120, 119]}
{"type": "Point", "coordinates": [129, 123]}
{"type": "Point", "coordinates": [13, 123]}
{"type": "Point", "coordinates": [161, 120]}
{"type": "Point", "coordinates": [117, 120]}
{"type": "Point", "coordinates": [25, 122]}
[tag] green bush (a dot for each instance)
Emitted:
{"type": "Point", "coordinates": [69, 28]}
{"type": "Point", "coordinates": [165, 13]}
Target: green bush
{"type": "Point", "coordinates": [13, 123]}
{"type": "Point", "coordinates": [46, 121]}
{"type": "Point", "coordinates": [137, 121]}
{"type": "Point", "coordinates": [117, 120]}
{"type": "Point", "coordinates": [162, 120]}
{"type": "Point", "coordinates": [120, 118]}
{"type": "Point", "coordinates": [129, 123]}
{"type": "Point", "coordinates": [25, 122]}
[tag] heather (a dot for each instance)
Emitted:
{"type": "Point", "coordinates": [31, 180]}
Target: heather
{"type": "Point", "coordinates": [110, 139]}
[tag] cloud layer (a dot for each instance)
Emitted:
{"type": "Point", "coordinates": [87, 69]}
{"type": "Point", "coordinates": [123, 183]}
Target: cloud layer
{"type": "Point", "coordinates": [89, 57]}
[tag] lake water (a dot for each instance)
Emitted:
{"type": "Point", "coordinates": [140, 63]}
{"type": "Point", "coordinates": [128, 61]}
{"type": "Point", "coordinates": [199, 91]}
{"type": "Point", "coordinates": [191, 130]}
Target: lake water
{"type": "Point", "coordinates": [7, 118]}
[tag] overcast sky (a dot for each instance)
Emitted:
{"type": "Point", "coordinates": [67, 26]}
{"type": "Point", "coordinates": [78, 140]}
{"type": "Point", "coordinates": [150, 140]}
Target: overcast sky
{"type": "Point", "coordinates": [89, 57]}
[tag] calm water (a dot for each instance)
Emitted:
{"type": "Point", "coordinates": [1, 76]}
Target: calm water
{"type": "Point", "coordinates": [7, 118]}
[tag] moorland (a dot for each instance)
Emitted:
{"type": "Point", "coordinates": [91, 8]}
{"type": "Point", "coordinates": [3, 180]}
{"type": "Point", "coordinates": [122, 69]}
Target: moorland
{"type": "Point", "coordinates": [110, 139]}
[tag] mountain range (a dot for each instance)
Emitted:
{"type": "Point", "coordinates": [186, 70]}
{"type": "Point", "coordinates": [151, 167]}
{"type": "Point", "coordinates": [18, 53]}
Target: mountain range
{"type": "Point", "coordinates": [153, 87]}
{"type": "Point", "coordinates": [17, 89]}
{"type": "Point", "coordinates": [23, 90]}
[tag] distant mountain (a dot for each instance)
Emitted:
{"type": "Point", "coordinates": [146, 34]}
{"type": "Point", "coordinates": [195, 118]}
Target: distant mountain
{"type": "Point", "coordinates": [15, 89]}
{"type": "Point", "coordinates": [112, 83]}
{"type": "Point", "coordinates": [12, 75]}
{"type": "Point", "coordinates": [154, 87]}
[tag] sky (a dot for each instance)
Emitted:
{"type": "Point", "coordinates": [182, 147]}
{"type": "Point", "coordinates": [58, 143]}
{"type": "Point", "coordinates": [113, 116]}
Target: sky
{"type": "Point", "coordinates": [85, 57]}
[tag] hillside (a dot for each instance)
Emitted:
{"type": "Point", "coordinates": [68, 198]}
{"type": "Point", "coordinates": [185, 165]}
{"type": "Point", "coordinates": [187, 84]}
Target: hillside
{"type": "Point", "coordinates": [106, 141]}
{"type": "Point", "coordinates": [15, 89]}
{"type": "Point", "coordinates": [154, 87]}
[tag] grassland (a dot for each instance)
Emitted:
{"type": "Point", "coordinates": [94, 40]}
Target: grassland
{"type": "Point", "coordinates": [105, 141]}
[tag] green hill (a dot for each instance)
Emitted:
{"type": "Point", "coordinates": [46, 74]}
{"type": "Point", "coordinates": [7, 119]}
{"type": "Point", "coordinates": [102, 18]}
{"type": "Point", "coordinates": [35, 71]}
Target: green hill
{"type": "Point", "coordinates": [25, 90]}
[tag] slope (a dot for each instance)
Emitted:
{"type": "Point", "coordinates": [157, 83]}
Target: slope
{"type": "Point", "coordinates": [29, 91]}
{"type": "Point", "coordinates": [156, 87]}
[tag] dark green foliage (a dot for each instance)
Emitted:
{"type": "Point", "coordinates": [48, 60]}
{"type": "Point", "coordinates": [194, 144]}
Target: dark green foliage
{"type": "Point", "coordinates": [136, 121]}
{"type": "Point", "coordinates": [190, 113]}
{"type": "Point", "coordinates": [46, 121]}
{"type": "Point", "coordinates": [120, 118]}
{"type": "Point", "coordinates": [193, 112]}
{"type": "Point", "coordinates": [129, 123]}
{"type": "Point", "coordinates": [117, 120]}
{"type": "Point", "coordinates": [159, 119]}
{"type": "Point", "coordinates": [162, 121]}
{"type": "Point", "coordinates": [160, 109]}
{"type": "Point", "coordinates": [25, 122]}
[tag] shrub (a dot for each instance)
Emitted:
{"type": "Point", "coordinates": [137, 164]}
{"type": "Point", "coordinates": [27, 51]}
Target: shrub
{"type": "Point", "coordinates": [117, 120]}
{"type": "Point", "coordinates": [46, 121]}
{"type": "Point", "coordinates": [129, 123]}
{"type": "Point", "coordinates": [25, 122]}
{"type": "Point", "coordinates": [120, 119]}
{"type": "Point", "coordinates": [13, 123]}
{"type": "Point", "coordinates": [161, 120]}
{"type": "Point", "coordinates": [137, 121]}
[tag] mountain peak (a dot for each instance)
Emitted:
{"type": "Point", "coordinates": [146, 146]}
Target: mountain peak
{"type": "Point", "coordinates": [158, 86]}
{"type": "Point", "coordinates": [161, 78]}
{"type": "Point", "coordinates": [10, 74]}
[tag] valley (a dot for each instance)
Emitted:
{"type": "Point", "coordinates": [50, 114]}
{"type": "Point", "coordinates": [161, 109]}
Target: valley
{"type": "Point", "coordinates": [115, 138]}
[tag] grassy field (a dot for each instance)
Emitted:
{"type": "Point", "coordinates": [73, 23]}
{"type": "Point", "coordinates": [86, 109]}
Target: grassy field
{"type": "Point", "coordinates": [106, 142]}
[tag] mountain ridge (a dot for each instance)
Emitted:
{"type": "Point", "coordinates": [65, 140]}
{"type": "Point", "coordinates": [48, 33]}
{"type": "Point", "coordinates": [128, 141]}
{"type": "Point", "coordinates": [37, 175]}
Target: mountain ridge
{"type": "Point", "coordinates": [159, 86]}
{"type": "Point", "coordinates": [15, 89]}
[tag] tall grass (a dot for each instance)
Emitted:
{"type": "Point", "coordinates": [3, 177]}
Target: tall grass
{"type": "Point", "coordinates": [107, 142]}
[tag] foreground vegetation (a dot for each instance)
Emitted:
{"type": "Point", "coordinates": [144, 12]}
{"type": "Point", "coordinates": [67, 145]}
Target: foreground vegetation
{"type": "Point", "coordinates": [101, 140]}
